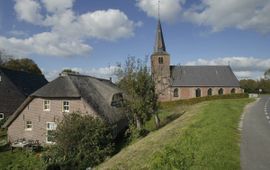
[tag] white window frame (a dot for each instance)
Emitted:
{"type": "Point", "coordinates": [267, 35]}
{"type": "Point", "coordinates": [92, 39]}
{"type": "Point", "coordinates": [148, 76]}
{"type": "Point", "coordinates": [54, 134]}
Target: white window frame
{"type": "Point", "coordinates": [65, 105]}
{"type": "Point", "coordinates": [52, 128]}
{"type": "Point", "coordinates": [2, 116]}
{"type": "Point", "coordinates": [28, 124]}
{"type": "Point", "coordinates": [46, 104]}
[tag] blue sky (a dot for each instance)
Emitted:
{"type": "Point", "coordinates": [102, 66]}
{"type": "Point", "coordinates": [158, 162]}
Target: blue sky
{"type": "Point", "coordinates": [92, 36]}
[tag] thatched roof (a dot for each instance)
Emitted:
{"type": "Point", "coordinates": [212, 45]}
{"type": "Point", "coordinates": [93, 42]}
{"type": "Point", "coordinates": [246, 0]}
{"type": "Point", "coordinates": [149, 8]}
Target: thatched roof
{"type": "Point", "coordinates": [26, 82]}
{"type": "Point", "coordinates": [15, 86]}
{"type": "Point", "coordinates": [96, 92]}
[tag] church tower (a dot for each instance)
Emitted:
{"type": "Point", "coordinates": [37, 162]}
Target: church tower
{"type": "Point", "coordinates": [160, 65]}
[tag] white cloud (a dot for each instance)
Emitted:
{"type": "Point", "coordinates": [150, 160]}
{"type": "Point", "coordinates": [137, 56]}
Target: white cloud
{"type": "Point", "coordinates": [244, 67]}
{"type": "Point", "coordinates": [216, 14]}
{"type": "Point", "coordinates": [241, 14]}
{"type": "Point", "coordinates": [68, 32]}
{"type": "Point", "coordinates": [102, 72]}
{"type": "Point", "coordinates": [28, 10]}
{"type": "Point", "coordinates": [55, 6]}
{"type": "Point", "coordinates": [100, 24]}
{"type": "Point", "coordinates": [46, 43]}
{"type": "Point", "coordinates": [169, 9]}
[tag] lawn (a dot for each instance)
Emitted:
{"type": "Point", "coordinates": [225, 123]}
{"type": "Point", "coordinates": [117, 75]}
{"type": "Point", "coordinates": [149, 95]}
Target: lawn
{"type": "Point", "coordinates": [206, 136]}
{"type": "Point", "coordinates": [17, 160]}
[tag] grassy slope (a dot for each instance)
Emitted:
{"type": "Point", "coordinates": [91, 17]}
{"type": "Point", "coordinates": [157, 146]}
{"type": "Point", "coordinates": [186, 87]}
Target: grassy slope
{"type": "Point", "coordinates": [206, 137]}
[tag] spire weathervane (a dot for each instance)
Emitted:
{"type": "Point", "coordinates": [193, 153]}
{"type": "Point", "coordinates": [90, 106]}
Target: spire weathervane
{"type": "Point", "coordinates": [158, 9]}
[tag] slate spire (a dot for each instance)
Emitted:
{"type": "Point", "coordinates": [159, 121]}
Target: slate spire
{"type": "Point", "coordinates": [159, 43]}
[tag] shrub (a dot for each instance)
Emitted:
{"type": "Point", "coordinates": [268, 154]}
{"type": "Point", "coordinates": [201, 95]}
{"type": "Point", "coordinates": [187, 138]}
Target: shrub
{"type": "Point", "coordinates": [81, 142]}
{"type": "Point", "coordinates": [202, 99]}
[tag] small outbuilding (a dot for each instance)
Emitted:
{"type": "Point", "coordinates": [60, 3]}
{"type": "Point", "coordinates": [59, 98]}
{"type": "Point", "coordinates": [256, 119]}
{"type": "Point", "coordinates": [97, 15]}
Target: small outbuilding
{"type": "Point", "coordinates": [15, 86]}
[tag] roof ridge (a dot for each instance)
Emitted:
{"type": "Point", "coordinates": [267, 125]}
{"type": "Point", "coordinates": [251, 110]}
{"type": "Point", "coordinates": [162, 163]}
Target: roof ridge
{"type": "Point", "coordinates": [77, 90]}
{"type": "Point", "coordinates": [84, 75]}
{"type": "Point", "coordinates": [200, 65]}
{"type": "Point", "coordinates": [21, 71]}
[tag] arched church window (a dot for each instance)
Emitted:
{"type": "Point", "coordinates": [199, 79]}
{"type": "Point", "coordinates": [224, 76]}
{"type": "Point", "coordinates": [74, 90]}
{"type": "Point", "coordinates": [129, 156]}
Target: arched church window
{"type": "Point", "coordinates": [198, 92]}
{"type": "Point", "coordinates": [160, 60]}
{"type": "Point", "coordinates": [209, 92]}
{"type": "Point", "coordinates": [175, 93]}
{"type": "Point", "coordinates": [233, 91]}
{"type": "Point", "coordinates": [220, 91]}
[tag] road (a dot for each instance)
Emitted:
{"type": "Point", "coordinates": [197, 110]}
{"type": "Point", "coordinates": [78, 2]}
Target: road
{"type": "Point", "coordinates": [255, 139]}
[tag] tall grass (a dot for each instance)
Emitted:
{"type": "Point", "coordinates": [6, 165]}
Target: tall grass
{"type": "Point", "coordinates": [211, 142]}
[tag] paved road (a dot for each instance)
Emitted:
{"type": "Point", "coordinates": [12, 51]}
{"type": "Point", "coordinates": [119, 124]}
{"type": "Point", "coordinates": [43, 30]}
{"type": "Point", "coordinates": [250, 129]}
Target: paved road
{"type": "Point", "coordinates": [255, 140]}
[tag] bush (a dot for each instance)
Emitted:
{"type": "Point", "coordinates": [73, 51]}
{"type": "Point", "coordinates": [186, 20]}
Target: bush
{"type": "Point", "coordinates": [202, 99]}
{"type": "Point", "coordinates": [81, 142]}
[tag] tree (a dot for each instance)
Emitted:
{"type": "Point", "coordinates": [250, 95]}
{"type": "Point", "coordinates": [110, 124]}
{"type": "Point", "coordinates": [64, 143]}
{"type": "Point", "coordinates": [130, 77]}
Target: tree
{"type": "Point", "coordinates": [81, 141]}
{"type": "Point", "coordinates": [70, 71]}
{"type": "Point", "coordinates": [3, 57]}
{"type": "Point", "coordinates": [264, 84]}
{"type": "Point", "coordinates": [267, 74]}
{"type": "Point", "coordinates": [136, 81]}
{"type": "Point", "coordinates": [250, 86]}
{"type": "Point", "coordinates": [24, 64]}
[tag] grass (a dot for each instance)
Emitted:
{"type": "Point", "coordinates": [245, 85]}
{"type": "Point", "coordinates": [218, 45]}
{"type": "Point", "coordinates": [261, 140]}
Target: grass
{"type": "Point", "coordinates": [205, 137]}
{"type": "Point", "coordinates": [166, 115]}
{"type": "Point", "coordinates": [18, 159]}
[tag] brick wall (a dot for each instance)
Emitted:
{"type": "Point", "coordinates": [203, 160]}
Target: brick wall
{"type": "Point", "coordinates": [34, 112]}
{"type": "Point", "coordinates": [189, 92]}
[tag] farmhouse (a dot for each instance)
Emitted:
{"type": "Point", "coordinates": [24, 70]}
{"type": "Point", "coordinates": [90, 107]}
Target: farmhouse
{"type": "Point", "coordinates": [15, 86]}
{"type": "Point", "coordinates": [38, 116]}
{"type": "Point", "coordinates": [184, 82]}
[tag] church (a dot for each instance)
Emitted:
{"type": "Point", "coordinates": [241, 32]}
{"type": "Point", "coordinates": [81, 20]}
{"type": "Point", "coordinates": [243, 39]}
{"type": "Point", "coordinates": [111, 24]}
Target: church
{"type": "Point", "coordinates": [184, 82]}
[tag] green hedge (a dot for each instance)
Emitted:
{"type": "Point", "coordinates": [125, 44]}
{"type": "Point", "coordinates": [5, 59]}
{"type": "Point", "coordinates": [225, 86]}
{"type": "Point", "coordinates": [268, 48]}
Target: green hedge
{"type": "Point", "coordinates": [192, 101]}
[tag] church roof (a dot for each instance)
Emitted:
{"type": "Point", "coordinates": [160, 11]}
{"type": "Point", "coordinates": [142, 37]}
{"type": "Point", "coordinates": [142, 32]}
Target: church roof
{"type": "Point", "coordinates": [159, 43]}
{"type": "Point", "coordinates": [198, 76]}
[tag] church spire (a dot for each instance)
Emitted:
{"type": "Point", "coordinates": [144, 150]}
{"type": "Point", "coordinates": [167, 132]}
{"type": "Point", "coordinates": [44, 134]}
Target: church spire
{"type": "Point", "coordinates": [159, 43]}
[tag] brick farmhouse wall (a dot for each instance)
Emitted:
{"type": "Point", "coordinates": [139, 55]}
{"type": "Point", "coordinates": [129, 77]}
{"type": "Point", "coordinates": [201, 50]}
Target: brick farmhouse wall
{"type": "Point", "coordinates": [34, 112]}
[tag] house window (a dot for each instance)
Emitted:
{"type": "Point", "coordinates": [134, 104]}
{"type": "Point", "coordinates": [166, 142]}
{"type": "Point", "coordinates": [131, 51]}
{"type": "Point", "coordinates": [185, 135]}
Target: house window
{"type": "Point", "coordinates": [46, 105]}
{"type": "Point", "coordinates": [233, 91]}
{"type": "Point", "coordinates": [51, 127]}
{"type": "Point", "coordinates": [198, 92]}
{"type": "Point", "coordinates": [160, 60]}
{"type": "Point", "coordinates": [209, 92]}
{"type": "Point", "coordinates": [28, 125]}
{"type": "Point", "coordinates": [2, 116]}
{"type": "Point", "coordinates": [220, 91]}
{"type": "Point", "coordinates": [175, 93]}
{"type": "Point", "coordinates": [117, 100]}
{"type": "Point", "coordinates": [65, 106]}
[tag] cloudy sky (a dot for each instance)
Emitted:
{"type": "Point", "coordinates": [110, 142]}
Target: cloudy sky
{"type": "Point", "coordinates": [92, 36]}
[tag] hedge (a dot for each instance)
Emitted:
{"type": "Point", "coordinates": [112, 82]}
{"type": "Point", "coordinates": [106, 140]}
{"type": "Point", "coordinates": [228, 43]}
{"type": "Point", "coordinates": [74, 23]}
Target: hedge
{"type": "Point", "coordinates": [201, 99]}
